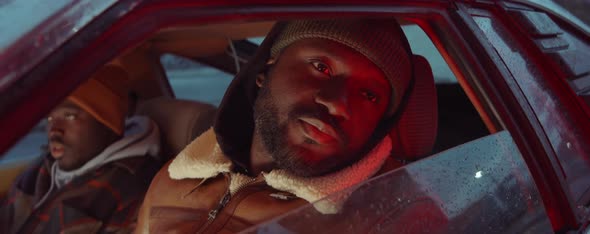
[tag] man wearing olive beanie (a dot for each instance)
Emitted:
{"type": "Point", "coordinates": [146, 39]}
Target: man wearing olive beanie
{"type": "Point", "coordinates": [96, 170]}
{"type": "Point", "coordinates": [306, 118]}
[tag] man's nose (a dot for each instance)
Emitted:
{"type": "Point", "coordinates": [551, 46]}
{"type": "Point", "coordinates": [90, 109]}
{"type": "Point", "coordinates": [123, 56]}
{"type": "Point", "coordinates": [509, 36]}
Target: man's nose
{"type": "Point", "coordinates": [55, 128]}
{"type": "Point", "coordinates": [335, 99]}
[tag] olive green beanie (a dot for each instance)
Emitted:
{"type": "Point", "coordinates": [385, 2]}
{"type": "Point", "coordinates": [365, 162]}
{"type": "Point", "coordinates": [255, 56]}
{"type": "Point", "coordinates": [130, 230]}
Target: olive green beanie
{"type": "Point", "coordinates": [382, 41]}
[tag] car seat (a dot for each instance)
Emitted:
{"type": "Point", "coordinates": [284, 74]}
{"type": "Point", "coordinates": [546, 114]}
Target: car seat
{"type": "Point", "coordinates": [180, 121]}
{"type": "Point", "coordinates": [414, 134]}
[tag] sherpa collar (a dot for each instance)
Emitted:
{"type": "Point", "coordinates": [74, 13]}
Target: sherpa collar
{"type": "Point", "coordinates": [202, 159]}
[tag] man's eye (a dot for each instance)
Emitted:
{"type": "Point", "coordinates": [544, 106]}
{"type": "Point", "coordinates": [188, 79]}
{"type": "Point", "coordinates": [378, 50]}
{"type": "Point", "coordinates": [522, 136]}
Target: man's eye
{"type": "Point", "coordinates": [321, 67]}
{"type": "Point", "coordinates": [71, 116]}
{"type": "Point", "coordinates": [370, 96]}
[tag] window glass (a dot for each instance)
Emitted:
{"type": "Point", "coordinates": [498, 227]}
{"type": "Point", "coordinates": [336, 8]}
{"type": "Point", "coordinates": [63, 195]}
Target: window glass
{"type": "Point", "coordinates": [20, 11]}
{"type": "Point", "coordinates": [481, 186]}
{"type": "Point", "coordinates": [33, 29]}
{"type": "Point", "coordinates": [194, 81]}
{"type": "Point", "coordinates": [256, 40]}
{"type": "Point", "coordinates": [30, 146]}
{"type": "Point", "coordinates": [422, 45]}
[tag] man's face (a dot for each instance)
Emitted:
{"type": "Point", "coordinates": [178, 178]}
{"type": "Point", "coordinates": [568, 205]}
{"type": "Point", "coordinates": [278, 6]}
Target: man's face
{"type": "Point", "coordinates": [318, 106]}
{"type": "Point", "coordinates": [75, 136]}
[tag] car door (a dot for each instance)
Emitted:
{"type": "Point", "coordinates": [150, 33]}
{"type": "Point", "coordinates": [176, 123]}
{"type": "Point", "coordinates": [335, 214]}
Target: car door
{"type": "Point", "coordinates": [482, 186]}
{"type": "Point", "coordinates": [539, 59]}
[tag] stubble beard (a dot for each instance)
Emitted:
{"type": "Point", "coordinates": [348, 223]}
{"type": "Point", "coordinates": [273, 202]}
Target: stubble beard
{"type": "Point", "coordinates": [273, 136]}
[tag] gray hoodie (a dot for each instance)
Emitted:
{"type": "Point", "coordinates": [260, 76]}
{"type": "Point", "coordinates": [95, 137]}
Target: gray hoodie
{"type": "Point", "coordinates": [141, 139]}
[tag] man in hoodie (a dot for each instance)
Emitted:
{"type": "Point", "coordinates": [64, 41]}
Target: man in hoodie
{"type": "Point", "coordinates": [308, 117]}
{"type": "Point", "coordinates": [97, 169]}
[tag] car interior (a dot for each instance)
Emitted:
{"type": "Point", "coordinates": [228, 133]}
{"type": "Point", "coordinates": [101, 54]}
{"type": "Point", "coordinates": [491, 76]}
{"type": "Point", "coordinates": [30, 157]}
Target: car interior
{"type": "Point", "coordinates": [221, 47]}
{"type": "Point", "coordinates": [226, 48]}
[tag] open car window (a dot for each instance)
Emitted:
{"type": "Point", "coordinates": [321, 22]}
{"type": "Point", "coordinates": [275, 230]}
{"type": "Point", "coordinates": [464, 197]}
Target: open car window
{"type": "Point", "coordinates": [28, 147]}
{"type": "Point", "coordinates": [191, 80]}
{"type": "Point", "coordinates": [422, 45]}
{"type": "Point", "coordinates": [480, 186]}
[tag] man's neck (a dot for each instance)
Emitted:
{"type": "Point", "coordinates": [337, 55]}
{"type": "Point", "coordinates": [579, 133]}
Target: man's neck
{"type": "Point", "coordinates": [260, 159]}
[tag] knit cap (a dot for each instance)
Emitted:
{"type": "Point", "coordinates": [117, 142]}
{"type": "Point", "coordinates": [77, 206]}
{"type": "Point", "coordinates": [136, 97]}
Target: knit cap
{"type": "Point", "coordinates": [382, 41]}
{"type": "Point", "coordinates": [104, 97]}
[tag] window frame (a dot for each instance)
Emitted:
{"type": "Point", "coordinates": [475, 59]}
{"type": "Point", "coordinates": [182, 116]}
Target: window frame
{"type": "Point", "coordinates": [108, 35]}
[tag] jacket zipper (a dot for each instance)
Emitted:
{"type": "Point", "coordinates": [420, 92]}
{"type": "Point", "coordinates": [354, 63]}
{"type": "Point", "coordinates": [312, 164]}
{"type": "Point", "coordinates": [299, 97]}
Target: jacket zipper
{"type": "Point", "coordinates": [213, 213]}
{"type": "Point", "coordinates": [222, 203]}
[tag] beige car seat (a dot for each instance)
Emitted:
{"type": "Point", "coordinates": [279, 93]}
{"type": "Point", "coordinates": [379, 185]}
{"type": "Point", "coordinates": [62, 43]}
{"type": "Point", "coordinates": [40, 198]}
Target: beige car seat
{"type": "Point", "coordinates": [180, 121]}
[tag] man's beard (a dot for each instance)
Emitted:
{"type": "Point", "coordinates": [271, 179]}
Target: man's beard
{"type": "Point", "coordinates": [274, 134]}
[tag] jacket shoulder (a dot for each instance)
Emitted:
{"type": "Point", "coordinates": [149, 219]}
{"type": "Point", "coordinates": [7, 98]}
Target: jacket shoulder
{"type": "Point", "coordinates": [172, 187]}
{"type": "Point", "coordinates": [163, 191]}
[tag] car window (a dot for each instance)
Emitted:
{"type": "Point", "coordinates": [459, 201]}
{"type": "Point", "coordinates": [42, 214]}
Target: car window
{"type": "Point", "coordinates": [256, 40]}
{"type": "Point", "coordinates": [422, 45]}
{"type": "Point", "coordinates": [191, 80]}
{"type": "Point", "coordinates": [479, 187]}
{"type": "Point", "coordinates": [12, 11]}
{"type": "Point", "coordinates": [42, 25]}
{"type": "Point", "coordinates": [30, 146]}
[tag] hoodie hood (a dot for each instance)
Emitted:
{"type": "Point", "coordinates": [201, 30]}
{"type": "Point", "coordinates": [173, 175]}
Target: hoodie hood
{"type": "Point", "coordinates": [234, 125]}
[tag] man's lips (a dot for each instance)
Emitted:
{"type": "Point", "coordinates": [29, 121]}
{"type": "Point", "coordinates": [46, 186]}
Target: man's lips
{"type": "Point", "coordinates": [56, 150]}
{"type": "Point", "coordinates": [319, 131]}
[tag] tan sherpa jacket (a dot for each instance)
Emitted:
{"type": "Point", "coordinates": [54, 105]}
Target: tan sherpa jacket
{"type": "Point", "coordinates": [197, 192]}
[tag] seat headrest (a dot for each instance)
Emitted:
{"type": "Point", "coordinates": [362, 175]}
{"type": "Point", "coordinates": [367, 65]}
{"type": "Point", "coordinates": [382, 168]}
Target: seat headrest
{"type": "Point", "coordinates": [414, 134]}
{"type": "Point", "coordinates": [180, 121]}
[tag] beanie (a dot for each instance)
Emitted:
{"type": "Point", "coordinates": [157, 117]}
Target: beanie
{"type": "Point", "coordinates": [104, 97]}
{"type": "Point", "coordinates": [382, 41]}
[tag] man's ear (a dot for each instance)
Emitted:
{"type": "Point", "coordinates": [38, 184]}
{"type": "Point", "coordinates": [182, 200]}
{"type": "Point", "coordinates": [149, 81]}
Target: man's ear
{"type": "Point", "coordinates": [261, 76]}
{"type": "Point", "coordinates": [260, 79]}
